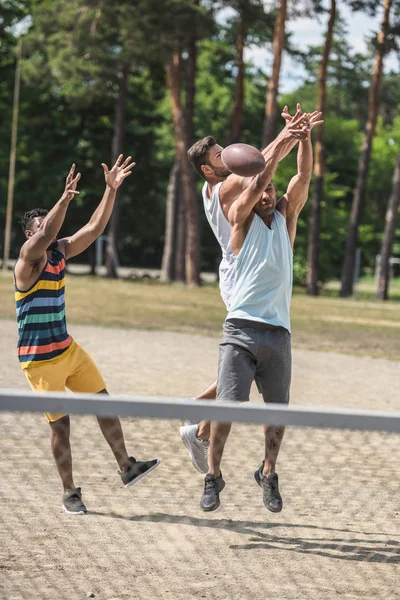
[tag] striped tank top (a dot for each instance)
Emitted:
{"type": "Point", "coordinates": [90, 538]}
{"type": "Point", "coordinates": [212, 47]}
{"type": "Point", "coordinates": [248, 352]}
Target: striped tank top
{"type": "Point", "coordinates": [42, 327]}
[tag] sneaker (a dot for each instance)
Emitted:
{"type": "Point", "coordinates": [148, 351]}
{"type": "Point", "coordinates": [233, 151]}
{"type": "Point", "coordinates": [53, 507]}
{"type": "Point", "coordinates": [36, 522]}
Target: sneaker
{"type": "Point", "coordinates": [213, 486]}
{"type": "Point", "coordinates": [72, 502]}
{"type": "Point", "coordinates": [269, 484]}
{"type": "Point", "coordinates": [137, 469]}
{"type": "Point", "coordinates": [198, 449]}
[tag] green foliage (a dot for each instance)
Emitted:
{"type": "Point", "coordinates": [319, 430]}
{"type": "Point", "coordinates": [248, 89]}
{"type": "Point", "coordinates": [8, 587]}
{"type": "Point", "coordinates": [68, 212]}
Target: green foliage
{"type": "Point", "coordinates": [73, 59]}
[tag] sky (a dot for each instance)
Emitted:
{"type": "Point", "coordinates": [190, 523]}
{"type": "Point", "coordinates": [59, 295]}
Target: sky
{"type": "Point", "coordinates": [310, 32]}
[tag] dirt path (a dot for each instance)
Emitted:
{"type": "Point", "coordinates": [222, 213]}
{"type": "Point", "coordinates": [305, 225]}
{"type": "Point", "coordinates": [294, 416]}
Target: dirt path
{"type": "Point", "coordinates": [338, 535]}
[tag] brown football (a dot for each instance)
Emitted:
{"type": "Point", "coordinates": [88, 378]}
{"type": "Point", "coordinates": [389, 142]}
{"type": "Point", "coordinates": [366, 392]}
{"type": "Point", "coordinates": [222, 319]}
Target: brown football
{"type": "Point", "coordinates": [243, 160]}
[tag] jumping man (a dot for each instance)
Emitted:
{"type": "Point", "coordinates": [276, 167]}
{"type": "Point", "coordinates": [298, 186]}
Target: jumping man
{"type": "Point", "coordinates": [49, 357]}
{"type": "Point", "coordinates": [220, 190]}
{"type": "Point", "coordinates": [256, 343]}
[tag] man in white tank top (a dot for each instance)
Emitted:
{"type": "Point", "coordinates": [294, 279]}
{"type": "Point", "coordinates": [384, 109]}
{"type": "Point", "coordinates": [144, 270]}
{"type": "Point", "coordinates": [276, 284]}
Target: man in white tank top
{"type": "Point", "coordinates": [256, 343]}
{"type": "Point", "coordinates": [220, 190]}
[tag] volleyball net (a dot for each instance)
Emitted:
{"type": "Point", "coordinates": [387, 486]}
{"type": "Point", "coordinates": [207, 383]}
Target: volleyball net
{"type": "Point", "coordinates": [337, 535]}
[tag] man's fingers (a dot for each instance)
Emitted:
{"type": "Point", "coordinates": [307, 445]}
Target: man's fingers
{"type": "Point", "coordinates": [71, 173]}
{"type": "Point", "coordinates": [105, 168]}
{"type": "Point", "coordinates": [129, 166]}
{"type": "Point", "coordinates": [126, 162]}
{"type": "Point", "coordinates": [126, 174]}
{"type": "Point", "coordinates": [77, 178]}
{"type": "Point", "coordinates": [118, 161]}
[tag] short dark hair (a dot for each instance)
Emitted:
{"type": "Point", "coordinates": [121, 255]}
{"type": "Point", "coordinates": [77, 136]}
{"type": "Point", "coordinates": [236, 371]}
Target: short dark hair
{"type": "Point", "coordinates": [30, 215]}
{"type": "Point", "coordinates": [198, 153]}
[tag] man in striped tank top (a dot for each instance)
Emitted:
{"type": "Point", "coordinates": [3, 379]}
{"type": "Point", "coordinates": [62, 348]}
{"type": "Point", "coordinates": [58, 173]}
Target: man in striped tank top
{"type": "Point", "coordinates": [256, 341]}
{"type": "Point", "coordinates": [49, 357]}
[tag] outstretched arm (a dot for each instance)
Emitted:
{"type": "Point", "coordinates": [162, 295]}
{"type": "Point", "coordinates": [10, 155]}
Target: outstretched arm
{"type": "Point", "coordinates": [233, 186]}
{"type": "Point", "coordinates": [84, 237]}
{"type": "Point", "coordinates": [297, 191]}
{"type": "Point", "coordinates": [35, 247]}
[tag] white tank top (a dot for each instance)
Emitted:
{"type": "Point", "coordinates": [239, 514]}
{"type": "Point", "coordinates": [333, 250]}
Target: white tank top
{"type": "Point", "coordinates": [222, 231]}
{"type": "Point", "coordinates": [263, 274]}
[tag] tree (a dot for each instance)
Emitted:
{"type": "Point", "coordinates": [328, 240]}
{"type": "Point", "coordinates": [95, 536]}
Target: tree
{"type": "Point", "coordinates": [271, 106]}
{"type": "Point", "coordinates": [319, 164]}
{"type": "Point", "coordinates": [361, 183]}
{"type": "Point", "coordinates": [173, 72]}
{"type": "Point", "coordinates": [389, 235]}
{"type": "Point", "coordinates": [251, 24]}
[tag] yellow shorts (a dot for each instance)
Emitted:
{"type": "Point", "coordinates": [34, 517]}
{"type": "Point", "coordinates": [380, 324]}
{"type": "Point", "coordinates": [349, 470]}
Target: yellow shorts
{"type": "Point", "coordinates": [73, 369]}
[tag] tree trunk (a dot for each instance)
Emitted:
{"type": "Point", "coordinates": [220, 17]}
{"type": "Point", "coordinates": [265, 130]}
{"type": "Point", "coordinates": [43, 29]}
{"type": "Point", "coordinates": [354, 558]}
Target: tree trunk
{"type": "Point", "coordinates": [116, 150]}
{"type": "Point", "coordinates": [187, 180]}
{"type": "Point", "coordinates": [271, 107]}
{"type": "Point", "coordinates": [235, 129]}
{"type": "Point", "coordinates": [181, 239]}
{"type": "Point", "coordinates": [168, 259]}
{"type": "Point", "coordinates": [388, 236]}
{"type": "Point", "coordinates": [363, 165]}
{"type": "Point", "coordinates": [319, 166]}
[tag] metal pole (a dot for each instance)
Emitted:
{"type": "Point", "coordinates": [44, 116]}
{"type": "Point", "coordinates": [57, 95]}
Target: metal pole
{"type": "Point", "coordinates": [13, 152]}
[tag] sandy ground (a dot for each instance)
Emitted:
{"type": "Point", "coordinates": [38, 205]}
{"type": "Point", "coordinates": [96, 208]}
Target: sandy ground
{"type": "Point", "coordinates": [338, 535]}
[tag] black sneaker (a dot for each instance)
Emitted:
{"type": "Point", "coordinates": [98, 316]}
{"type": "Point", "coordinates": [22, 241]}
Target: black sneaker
{"type": "Point", "coordinates": [212, 488]}
{"type": "Point", "coordinates": [137, 470]}
{"type": "Point", "coordinates": [269, 484]}
{"type": "Point", "coordinates": [72, 502]}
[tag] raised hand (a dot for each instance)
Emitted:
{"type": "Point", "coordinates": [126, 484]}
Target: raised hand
{"type": "Point", "coordinates": [297, 127]}
{"type": "Point", "coordinates": [119, 172]}
{"type": "Point", "coordinates": [309, 121]}
{"type": "Point", "coordinates": [70, 184]}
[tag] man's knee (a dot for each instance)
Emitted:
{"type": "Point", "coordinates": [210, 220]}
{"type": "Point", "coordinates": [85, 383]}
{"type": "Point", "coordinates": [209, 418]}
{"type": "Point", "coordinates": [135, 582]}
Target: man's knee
{"type": "Point", "coordinates": [61, 426]}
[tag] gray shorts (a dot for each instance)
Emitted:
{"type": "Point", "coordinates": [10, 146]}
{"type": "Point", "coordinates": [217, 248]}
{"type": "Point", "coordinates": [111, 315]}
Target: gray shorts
{"type": "Point", "coordinates": [254, 351]}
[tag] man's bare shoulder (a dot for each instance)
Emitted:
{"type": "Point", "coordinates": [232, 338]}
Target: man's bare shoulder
{"type": "Point", "coordinates": [27, 271]}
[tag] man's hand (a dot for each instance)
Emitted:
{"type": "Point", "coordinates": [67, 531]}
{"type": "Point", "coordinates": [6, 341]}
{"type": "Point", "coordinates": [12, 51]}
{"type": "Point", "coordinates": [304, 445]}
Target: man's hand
{"type": "Point", "coordinates": [118, 173]}
{"type": "Point", "coordinates": [70, 185]}
{"type": "Point", "coordinates": [297, 127]}
{"type": "Point", "coordinates": [311, 120]}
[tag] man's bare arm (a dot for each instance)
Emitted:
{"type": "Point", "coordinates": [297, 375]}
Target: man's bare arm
{"type": "Point", "coordinates": [84, 237]}
{"type": "Point", "coordinates": [35, 247]}
{"type": "Point", "coordinates": [233, 186]}
{"type": "Point", "coordinates": [298, 188]}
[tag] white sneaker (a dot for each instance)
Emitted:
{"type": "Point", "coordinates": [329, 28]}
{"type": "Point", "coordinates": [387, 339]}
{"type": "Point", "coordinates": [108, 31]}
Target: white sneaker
{"type": "Point", "coordinates": [198, 449]}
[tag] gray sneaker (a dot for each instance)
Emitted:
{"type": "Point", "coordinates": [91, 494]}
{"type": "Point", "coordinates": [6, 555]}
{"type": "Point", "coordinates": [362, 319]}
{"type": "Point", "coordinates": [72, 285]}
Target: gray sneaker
{"type": "Point", "coordinates": [198, 449]}
{"type": "Point", "coordinates": [72, 502]}
{"type": "Point", "coordinates": [213, 486]}
{"type": "Point", "coordinates": [269, 484]}
{"type": "Point", "coordinates": [137, 469]}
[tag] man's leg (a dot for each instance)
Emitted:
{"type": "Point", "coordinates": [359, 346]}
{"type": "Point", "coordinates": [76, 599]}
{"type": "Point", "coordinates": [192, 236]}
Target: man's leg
{"type": "Point", "coordinates": [219, 435]}
{"type": "Point", "coordinates": [273, 439]}
{"type": "Point", "coordinates": [273, 378]}
{"type": "Point", "coordinates": [112, 431]}
{"type": "Point", "coordinates": [61, 449]}
{"type": "Point", "coordinates": [196, 436]}
{"type": "Point", "coordinates": [236, 370]}
{"type": "Point", "coordinates": [86, 378]}
{"type": "Point", "coordinates": [203, 429]}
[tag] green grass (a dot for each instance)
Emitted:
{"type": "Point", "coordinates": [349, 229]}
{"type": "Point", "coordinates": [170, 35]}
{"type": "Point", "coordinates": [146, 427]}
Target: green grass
{"type": "Point", "coordinates": [361, 326]}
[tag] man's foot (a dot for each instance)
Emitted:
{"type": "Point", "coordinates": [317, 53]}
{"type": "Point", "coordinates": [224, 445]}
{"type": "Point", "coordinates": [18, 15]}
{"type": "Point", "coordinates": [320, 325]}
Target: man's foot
{"type": "Point", "coordinates": [269, 484]}
{"type": "Point", "coordinates": [198, 449]}
{"type": "Point", "coordinates": [72, 502]}
{"type": "Point", "coordinates": [137, 469]}
{"type": "Point", "coordinates": [212, 488]}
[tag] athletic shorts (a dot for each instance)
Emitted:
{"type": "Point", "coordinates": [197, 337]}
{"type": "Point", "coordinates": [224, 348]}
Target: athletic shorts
{"type": "Point", "coordinates": [254, 351]}
{"type": "Point", "coordinates": [73, 369]}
